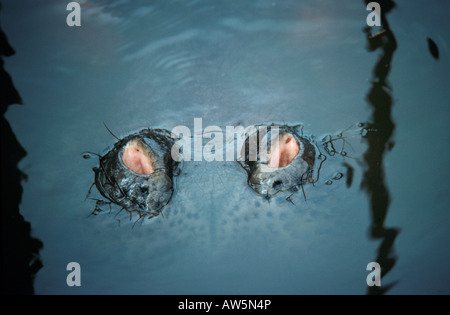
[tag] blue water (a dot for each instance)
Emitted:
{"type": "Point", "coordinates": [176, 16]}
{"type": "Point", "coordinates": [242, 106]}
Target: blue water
{"type": "Point", "coordinates": [140, 64]}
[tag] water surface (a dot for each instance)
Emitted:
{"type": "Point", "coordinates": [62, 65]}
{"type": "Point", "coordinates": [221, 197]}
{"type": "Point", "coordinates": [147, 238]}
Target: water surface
{"type": "Point", "coordinates": [135, 65]}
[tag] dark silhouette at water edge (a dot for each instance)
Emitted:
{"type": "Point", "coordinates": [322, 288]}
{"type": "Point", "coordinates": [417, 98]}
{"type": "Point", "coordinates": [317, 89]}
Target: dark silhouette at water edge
{"type": "Point", "coordinates": [20, 251]}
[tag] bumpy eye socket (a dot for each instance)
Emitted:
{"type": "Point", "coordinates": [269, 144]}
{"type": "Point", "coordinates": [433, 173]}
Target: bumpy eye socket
{"type": "Point", "coordinates": [277, 184]}
{"type": "Point", "coordinates": [283, 151]}
{"type": "Point", "coordinates": [137, 158]}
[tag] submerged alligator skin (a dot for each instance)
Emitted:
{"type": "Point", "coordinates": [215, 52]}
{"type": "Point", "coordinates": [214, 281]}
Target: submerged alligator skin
{"type": "Point", "coordinates": [268, 181]}
{"type": "Point", "coordinates": [143, 194]}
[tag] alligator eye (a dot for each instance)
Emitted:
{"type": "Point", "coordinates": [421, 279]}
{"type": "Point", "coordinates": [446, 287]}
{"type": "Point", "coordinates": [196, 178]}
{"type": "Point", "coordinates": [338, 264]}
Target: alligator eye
{"type": "Point", "coordinates": [283, 151]}
{"type": "Point", "coordinates": [277, 185]}
{"type": "Point", "coordinates": [137, 158]}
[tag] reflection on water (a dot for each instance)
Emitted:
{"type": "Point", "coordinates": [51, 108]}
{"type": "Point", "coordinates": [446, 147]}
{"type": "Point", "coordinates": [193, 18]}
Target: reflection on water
{"type": "Point", "coordinates": [434, 50]}
{"type": "Point", "coordinates": [379, 97]}
{"type": "Point", "coordinates": [20, 251]}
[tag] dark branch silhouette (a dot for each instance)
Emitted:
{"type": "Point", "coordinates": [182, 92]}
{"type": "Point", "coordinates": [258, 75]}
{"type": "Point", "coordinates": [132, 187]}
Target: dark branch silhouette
{"type": "Point", "coordinates": [379, 141]}
{"type": "Point", "coordinates": [20, 251]}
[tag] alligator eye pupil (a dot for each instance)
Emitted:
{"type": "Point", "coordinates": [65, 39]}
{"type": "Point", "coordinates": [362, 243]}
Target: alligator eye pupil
{"type": "Point", "coordinates": [277, 184]}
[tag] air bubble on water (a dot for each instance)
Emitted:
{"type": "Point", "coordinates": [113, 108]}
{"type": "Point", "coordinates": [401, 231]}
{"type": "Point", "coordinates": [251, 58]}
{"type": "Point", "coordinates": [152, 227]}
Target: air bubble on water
{"type": "Point", "coordinates": [338, 176]}
{"type": "Point", "coordinates": [329, 148]}
{"type": "Point", "coordinates": [86, 156]}
{"type": "Point", "coordinates": [360, 125]}
{"type": "Point", "coordinates": [328, 182]}
{"type": "Point", "coordinates": [363, 132]}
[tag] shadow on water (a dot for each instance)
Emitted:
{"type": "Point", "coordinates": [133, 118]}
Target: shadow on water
{"type": "Point", "coordinates": [380, 100]}
{"type": "Point", "coordinates": [20, 251]}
